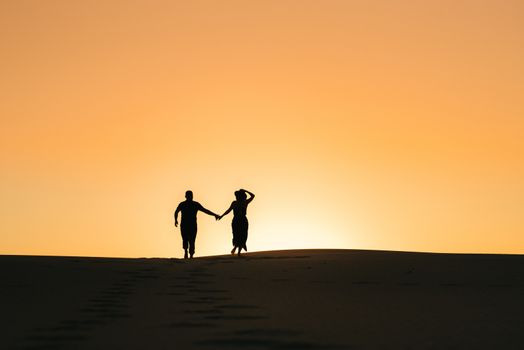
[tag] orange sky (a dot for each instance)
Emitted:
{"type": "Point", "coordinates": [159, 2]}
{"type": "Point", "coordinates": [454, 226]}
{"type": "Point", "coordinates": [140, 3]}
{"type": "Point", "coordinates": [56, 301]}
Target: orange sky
{"type": "Point", "coordinates": [358, 124]}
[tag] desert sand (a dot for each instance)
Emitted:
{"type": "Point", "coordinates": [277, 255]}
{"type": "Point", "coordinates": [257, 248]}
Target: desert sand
{"type": "Point", "coordinates": [301, 299]}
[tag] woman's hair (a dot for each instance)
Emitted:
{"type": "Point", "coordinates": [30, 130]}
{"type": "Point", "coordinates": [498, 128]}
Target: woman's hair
{"type": "Point", "coordinates": [240, 195]}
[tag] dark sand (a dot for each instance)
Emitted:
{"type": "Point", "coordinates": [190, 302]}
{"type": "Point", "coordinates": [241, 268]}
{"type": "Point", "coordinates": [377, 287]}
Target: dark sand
{"type": "Point", "coordinates": [308, 299]}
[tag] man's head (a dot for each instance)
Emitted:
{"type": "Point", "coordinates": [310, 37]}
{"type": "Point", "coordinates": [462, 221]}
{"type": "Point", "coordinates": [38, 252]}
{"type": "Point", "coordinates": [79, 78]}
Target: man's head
{"type": "Point", "coordinates": [189, 195]}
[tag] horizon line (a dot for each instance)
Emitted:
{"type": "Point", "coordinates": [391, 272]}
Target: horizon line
{"type": "Point", "coordinates": [264, 251]}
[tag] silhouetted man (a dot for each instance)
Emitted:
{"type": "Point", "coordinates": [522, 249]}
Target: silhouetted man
{"type": "Point", "coordinates": [188, 228]}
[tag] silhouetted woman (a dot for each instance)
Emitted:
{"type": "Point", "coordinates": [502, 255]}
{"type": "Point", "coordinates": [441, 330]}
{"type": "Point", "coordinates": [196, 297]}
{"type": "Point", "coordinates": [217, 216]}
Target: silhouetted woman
{"type": "Point", "coordinates": [239, 223]}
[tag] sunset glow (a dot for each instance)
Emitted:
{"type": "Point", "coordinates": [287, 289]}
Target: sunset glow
{"type": "Point", "coordinates": [394, 125]}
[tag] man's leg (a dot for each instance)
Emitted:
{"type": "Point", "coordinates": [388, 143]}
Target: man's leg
{"type": "Point", "coordinates": [185, 242]}
{"type": "Point", "coordinates": [192, 240]}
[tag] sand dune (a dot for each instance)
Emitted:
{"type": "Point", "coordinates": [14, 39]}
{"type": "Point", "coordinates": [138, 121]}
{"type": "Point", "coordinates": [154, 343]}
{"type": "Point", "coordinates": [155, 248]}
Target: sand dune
{"type": "Point", "coordinates": [302, 299]}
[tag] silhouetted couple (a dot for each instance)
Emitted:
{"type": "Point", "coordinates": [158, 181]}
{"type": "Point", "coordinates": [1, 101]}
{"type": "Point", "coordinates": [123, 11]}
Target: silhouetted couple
{"type": "Point", "coordinates": [188, 227]}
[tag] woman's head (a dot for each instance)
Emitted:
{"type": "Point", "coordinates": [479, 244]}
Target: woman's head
{"type": "Point", "coordinates": [240, 195]}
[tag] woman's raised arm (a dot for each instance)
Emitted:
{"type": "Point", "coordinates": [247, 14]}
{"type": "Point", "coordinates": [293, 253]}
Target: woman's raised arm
{"type": "Point", "coordinates": [252, 195]}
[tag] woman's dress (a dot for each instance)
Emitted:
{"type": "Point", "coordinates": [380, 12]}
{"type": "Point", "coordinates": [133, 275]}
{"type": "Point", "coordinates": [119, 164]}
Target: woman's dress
{"type": "Point", "coordinates": [239, 225]}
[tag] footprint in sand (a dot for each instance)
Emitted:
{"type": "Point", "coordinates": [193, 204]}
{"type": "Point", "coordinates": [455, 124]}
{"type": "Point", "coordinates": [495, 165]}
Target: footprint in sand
{"type": "Point", "coordinates": [409, 284]}
{"type": "Point", "coordinates": [282, 279]}
{"type": "Point", "coordinates": [263, 339]}
{"type": "Point", "coordinates": [237, 306]}
{"type": "Point", "coordinates": [235, 317]}
{"type": "Point", "coordinates": [204, 312]}
{"type": "Point", "coordinates": [178, 325]}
